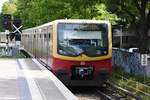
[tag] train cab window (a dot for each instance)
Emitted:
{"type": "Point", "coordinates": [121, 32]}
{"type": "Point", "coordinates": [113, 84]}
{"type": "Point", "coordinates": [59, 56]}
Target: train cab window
{"type": "Point", "coordinates": [75, 39]}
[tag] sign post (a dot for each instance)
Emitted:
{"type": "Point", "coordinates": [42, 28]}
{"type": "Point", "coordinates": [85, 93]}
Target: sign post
{"type": "Point", "coordinates": [144, 60]}
{"type": "Point", "coordinates": [7, 41]}
{"type": "Point", "coordinates": [15, 26]}
{"type": "Point", "coordinates": [144, 63]}
{"type": "Point", "coordinates": [17, 34]}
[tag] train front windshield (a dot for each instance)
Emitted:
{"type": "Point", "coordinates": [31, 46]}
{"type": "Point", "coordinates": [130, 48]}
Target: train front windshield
{"type": "Point", "coordinates": [77, 39]}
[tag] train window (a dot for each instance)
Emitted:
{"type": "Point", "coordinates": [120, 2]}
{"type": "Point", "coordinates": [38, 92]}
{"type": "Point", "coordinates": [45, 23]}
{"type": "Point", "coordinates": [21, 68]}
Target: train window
{"type": "Point", "coordinates": [44, 35]}
{"type": "Point", "coordinates": [40, 35]}
{"type": "Point", "coordinates": [34, 35]}
{"type": "Point", "coordinates": [49, 35]}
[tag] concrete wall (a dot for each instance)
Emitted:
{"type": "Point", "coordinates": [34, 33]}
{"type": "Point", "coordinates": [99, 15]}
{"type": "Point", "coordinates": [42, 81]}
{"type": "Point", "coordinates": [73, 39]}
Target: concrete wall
{"type": "Point", "coordinates": [131, 62]}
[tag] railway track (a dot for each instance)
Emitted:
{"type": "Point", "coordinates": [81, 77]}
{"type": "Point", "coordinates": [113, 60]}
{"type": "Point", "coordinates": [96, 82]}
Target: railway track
{"type": "Point", "coordinates": [107, 92]}
{"type": "Point", "coordinates": [113, 92]}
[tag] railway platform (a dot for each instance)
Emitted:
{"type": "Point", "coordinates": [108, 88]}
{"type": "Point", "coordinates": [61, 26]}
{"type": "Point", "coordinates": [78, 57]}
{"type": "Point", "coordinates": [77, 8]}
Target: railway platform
{"type": "Point", "coordinates": [27, 79]}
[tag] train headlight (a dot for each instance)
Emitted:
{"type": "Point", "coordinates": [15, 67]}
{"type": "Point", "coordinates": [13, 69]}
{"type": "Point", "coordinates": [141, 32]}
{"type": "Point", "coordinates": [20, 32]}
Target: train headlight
{"type": "Point", "coordinates": [84, 71]}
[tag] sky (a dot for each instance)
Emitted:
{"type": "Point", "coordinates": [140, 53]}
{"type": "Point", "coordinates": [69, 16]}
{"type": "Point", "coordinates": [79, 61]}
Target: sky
{"type": "Point", "coordinates": [1, 4]}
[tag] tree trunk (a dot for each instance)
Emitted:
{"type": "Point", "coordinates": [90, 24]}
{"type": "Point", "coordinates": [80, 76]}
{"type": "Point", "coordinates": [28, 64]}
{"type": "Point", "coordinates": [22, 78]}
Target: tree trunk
{"type": "Point", "coordinates": [142, 35]}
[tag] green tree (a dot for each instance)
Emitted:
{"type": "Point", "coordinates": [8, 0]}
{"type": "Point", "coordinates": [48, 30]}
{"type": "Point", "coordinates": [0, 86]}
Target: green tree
{"type": "Point", "coordinates": [9, 7]}
{"type": "Point", "coordinates": [36, 12]}
{"type": "Point", "coordinates": [84, 9]}
{"type": "Point", "coordinates": [103, 14]}
{"type": "Point", "coordinates": [135, 14]}
{"type": "Point", "coordinates": [1, 28]}
{"type": "Point", "coordinates": [89, 9]}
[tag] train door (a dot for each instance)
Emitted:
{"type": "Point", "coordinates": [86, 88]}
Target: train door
{"type": "Point", "coordinates": [49, 45]}
{"type": "Point", "coordinates": [27, 42]}
{"type": "Point", "coordinates": [32, 43]}
{"type": "Point", "coordinates": [40, 45]}
{"type": "Point", "coordinates": [45, 45]}
{"type": "Point", "coordinates": [35, 44]}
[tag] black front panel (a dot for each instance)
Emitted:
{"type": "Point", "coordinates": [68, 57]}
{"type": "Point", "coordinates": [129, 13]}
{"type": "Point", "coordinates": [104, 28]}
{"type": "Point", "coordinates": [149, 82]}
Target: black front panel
{"type": "Point", "coordinates": [82, 72]}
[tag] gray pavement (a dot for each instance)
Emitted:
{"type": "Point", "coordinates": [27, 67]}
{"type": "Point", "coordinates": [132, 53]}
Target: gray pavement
{"type": "Point", "coordinates": [27, 79]}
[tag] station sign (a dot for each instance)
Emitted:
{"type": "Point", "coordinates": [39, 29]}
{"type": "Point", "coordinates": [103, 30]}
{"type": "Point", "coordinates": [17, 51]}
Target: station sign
{"type": "Point", "coordinates": [144, 61]}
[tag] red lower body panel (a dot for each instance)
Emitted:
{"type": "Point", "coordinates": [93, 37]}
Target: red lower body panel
{"type": "Point", "coordinates": [63, 68]}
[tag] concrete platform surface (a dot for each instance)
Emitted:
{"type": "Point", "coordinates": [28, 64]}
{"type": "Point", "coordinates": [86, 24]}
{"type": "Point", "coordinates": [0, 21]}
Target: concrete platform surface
{"type": "Point", "coordinates": [27, 79]}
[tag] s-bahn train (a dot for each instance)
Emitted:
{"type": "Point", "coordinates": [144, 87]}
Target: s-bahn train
{"type": "Point", "coordinates": [78, 52]}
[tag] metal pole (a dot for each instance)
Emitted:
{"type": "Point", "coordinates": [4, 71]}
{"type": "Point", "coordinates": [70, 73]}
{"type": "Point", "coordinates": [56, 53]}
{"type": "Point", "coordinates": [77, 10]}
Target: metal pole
{"type": "Point", "coordinates": [145, 78]}
{"type": "Point", "coordinates": [144, 65]}
{"type": "Point", "coordinates": [145, 90]}
{"type": "Point", "coordinates": [121, 37]}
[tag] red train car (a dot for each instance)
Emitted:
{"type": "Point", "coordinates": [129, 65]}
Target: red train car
{"type": "Point", "coordinates": [78, 52]}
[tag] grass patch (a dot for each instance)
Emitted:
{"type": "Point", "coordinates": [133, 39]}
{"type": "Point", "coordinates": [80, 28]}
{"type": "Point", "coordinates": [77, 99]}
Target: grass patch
{"type": "Point", "coordinates": [131, 82]}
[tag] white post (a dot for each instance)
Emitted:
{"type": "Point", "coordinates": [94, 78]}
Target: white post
{"type": "Point", "coordinates": [144, 64]}
{"type": "Point", "coordinates": [7, 41]}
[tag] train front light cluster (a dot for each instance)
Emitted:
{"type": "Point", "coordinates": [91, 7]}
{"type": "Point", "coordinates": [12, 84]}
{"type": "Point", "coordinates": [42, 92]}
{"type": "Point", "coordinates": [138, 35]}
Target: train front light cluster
{"type": "Point", "coordinates": [82, 72]}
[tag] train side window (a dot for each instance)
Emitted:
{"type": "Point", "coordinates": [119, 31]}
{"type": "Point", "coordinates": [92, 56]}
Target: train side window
{"type": "Point", "coordinates": [34, 35]}
{"type": "Point", "coordinates": [44, 35]}
{"type": "Point", "coordinates": [49, 35]}
{"type": "Point", "coordinates": [40, 35]}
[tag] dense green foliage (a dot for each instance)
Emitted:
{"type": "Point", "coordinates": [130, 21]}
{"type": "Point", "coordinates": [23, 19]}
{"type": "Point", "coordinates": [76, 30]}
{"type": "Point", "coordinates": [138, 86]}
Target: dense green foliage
{"type": "Point", "coordinates": [131, 14]}
{"type": "Point", "coordinates": [135, 14]}
{"type": "Point", "coordinates": [1, 29]}
{"type": "Point", "coordinates": [36, 12]}
{"type": "Point", "coordinates": [9, 7]}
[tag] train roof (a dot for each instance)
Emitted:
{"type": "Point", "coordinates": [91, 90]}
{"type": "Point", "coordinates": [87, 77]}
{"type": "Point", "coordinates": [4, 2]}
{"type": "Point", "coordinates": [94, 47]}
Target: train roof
{"type": "Point", "coordinates": [81, 21]}
{"type": "Point", "coordinates": [69, 21]}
